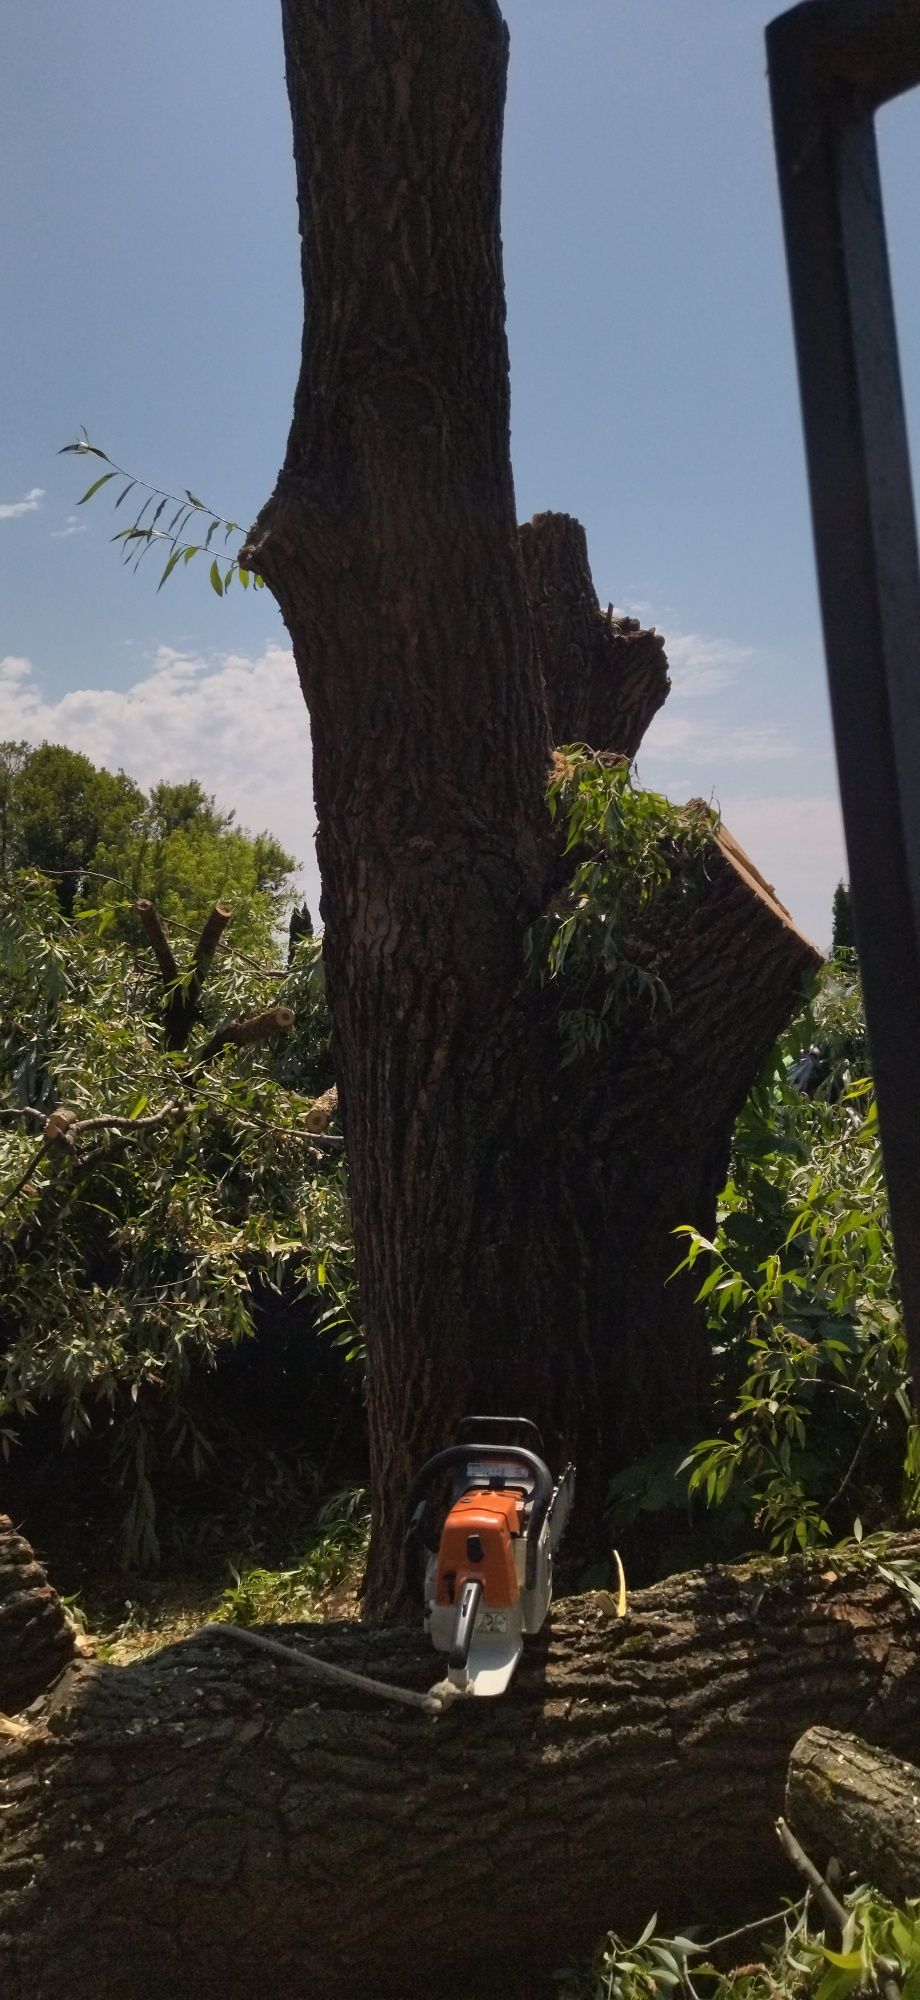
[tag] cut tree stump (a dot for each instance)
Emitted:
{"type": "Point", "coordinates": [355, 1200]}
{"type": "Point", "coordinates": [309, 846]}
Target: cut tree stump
{"type": "Point", "coordinates": [850, 1800]}
{"type": "Point", "coordinates": [206, 1822]}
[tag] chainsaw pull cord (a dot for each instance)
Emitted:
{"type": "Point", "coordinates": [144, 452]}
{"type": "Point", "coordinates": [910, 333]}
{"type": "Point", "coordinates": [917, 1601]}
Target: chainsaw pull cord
{"type": "Point", "coordinates": [433, 1703]}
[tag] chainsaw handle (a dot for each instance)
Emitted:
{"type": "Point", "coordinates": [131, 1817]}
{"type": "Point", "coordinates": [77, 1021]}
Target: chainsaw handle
{"type": "Point", "coordinates": [461, 1454]}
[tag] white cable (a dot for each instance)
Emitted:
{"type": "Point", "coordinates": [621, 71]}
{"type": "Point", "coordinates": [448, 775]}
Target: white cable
{"type": "Point", "coordinates": [432, 1703]}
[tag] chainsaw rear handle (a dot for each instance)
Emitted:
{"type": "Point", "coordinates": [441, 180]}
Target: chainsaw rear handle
{"type": "Point", "coordinates": [461, 1454]}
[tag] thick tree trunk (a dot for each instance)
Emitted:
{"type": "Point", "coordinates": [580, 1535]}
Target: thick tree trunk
{"type": "Point", "coordinates": [852, 1801]}
{"type": "Point", "coordinates": [37, 1639]}
{"type": "Point", "coordinates": [208, 1822]}
{"type": "Point", "coordinates": [512, 1219]}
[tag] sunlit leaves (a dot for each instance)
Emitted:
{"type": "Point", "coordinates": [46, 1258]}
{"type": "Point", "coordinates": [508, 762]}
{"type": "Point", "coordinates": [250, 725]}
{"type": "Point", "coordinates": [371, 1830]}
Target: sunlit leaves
{"type": "Point", "coordinates": [179, 536]}
{"type": "Point", "coordinates": [628, 846]}
{"type": "Point", "coordinates": [801, 1292]}
{"type": "Point", "coordinates": [127, 1267]}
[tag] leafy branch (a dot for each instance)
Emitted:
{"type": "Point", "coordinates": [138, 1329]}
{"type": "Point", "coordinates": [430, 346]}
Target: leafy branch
{"type": "Point", "coordinates": [144, 533]}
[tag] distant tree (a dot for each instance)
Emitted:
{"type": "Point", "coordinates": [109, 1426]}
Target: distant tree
{"type": "Point", "coordinates": [77, 823]}
{"type": "Point", "coordinates": [185, 854]}
{"type": "Point", "coordinates": [844, 935]}
{"type": "Point", "coordinates": [56, 807]}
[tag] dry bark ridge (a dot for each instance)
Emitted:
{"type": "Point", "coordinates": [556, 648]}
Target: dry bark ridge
{"type": "Point", "coordinates": [37, 1639]}
{"type": "Point", "coordinates": [203, 1822]}
{"type": "Point", "coordinates": [513, 1219]}
{"type": "Point", "coordinates": [605, 678]}
{"type": "Point", "coordinates": [850, 1800]}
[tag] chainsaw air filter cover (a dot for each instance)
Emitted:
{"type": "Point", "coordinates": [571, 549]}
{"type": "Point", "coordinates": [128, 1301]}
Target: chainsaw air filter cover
{"type": "Point", "coordinates": [486, 1580]}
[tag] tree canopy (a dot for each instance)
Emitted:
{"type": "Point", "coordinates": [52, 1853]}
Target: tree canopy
{"type": "Point", "coordinates": [104, 841]}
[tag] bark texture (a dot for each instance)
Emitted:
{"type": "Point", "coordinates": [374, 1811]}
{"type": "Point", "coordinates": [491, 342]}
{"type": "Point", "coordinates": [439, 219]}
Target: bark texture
{"type": "Point", "coordinates": [512, 1218]}
{"type": "Point", "coordinates": [204, 1822]}
{"type": "Point", "coordinates": [37, 1639]}
{"type": "Point", "coordinates": [859, 1804]}
{"type": "Point", "coordinates": [605, 678]}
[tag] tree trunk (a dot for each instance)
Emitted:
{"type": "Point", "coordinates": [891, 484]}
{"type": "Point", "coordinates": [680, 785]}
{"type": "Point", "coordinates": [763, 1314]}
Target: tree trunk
{"type": "Point", "coordinates": [512, 1218]}
{"type": "Point", "coordinates": [852, 1801]}
{"type": "Point", "coordinates": [208, 1822]}
{"type": "Point", "coordinates": [37, 1638]}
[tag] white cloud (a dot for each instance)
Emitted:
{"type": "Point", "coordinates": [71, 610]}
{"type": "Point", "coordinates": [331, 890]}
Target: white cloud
{"type": "Point", "coordinates": [238, 724]}
{"type": "Point", "coordinates": [703, 666]}
{"type": "Point", "coordinates": [798, 845]}
{"type": "Point", "coordinates": [72, 526]}
{"type": "Point", "coordinates": [10, 510]}
{"type": "Point", "coordinates": [680, 739]}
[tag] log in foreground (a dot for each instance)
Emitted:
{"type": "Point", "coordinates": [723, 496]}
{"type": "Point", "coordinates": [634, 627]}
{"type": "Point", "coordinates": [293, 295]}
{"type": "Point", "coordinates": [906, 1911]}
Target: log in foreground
{"type": "Point", "coordinates": [37, 1638]}
{"type": "Point", "coordinates": [851, 1800]}
{"type": "Point", "coordinates": [204, 1822]}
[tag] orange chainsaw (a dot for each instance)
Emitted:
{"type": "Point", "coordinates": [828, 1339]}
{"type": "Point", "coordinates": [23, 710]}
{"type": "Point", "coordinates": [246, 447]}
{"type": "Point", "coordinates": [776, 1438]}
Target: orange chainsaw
{"type": "Point", "coordinates": [488, 1579]}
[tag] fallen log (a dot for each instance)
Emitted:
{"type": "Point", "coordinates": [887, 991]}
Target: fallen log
{"type": "Point", "coordinates": [206, 1822]}
{"type": "Point", "coordinates": [37, 1639]}
{"type": "Point", "coordinates": [850, 1800]}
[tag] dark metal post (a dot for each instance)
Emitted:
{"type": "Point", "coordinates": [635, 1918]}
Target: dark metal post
{"type": "Point", "coordinates": [832, 63]}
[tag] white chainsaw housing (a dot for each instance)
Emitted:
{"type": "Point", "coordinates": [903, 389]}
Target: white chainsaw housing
{"type": "Point", "coordinates": [498, 1638]}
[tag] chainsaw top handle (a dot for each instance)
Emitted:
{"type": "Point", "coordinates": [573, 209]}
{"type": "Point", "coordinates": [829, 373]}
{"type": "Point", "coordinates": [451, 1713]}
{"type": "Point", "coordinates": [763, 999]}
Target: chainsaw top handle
{"type": "Point", "coordinates": [505, 1425]}
{"type": "Point", "coordinates": [464, 1454]}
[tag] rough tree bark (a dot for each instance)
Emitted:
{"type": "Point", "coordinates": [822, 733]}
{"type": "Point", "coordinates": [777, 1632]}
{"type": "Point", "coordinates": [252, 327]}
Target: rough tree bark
{"type": "Point", "coordinates": [37, 1638]}
{"type": "Point", "coordinates": [857, 1803]}
{"type": "Point", "coordinates": [206, 1822]}
{"type": "Point", "coordinates": [512, 1219]}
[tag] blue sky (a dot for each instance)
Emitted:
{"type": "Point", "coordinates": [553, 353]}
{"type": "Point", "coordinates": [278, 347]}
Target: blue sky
{"type": "Point", "coordinates": [149, 244]}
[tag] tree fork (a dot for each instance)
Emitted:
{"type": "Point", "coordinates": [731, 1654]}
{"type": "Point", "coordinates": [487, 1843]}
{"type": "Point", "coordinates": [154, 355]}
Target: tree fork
{"type": "Point", "coordinates": [203, 1821]}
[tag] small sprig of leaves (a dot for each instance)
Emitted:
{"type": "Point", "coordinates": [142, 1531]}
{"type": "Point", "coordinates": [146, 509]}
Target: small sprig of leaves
{"type": "Point", "coordinates": [628, 846]}
{"type": "Point", "coordinates": [183, 541]}
{"type": "Point", "coordinates": [880, 1951]}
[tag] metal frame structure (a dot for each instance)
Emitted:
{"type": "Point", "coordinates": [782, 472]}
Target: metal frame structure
{"type": "Point", "coordinates": [832, 64]}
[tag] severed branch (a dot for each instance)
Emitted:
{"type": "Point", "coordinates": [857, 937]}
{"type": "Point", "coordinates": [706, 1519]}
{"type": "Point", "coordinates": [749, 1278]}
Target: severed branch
{"type": "Point", "coordinates": [152, 927]}
{"type": "Point", "coordinates": [604, 676]}
{"type": "Point", "coordinates": [255, 1028]}
{"type": "Point", "coordinates": [183, 1005]}
{"type": "Point", "coordinates": [823, 1893]}
{"type": "Point", "coordinates": [183, 990]}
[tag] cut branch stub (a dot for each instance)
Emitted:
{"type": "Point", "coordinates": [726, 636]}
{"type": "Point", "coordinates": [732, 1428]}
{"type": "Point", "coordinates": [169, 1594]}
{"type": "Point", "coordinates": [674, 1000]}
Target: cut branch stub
{"type": "Point", "coordinates": [255, 1028]}
{"type": "Point", "coordinates": [183, 991]}
{"type": "Point", "coordinates": [605, 677]}
{"type": "Point", "coordinates": [858, 1804]}
{"type": "Point", "coordinates": [152, 927]}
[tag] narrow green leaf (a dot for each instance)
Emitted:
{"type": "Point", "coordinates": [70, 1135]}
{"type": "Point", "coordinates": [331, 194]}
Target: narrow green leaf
{"type": "Point", "coordinates": [103, 480]}
{"type": "Point", "coordinates": [123, 495]}
{"type": "Point", "coordinates": [215, 579]}
{"type": "Point", "coordinates": [170, 566]}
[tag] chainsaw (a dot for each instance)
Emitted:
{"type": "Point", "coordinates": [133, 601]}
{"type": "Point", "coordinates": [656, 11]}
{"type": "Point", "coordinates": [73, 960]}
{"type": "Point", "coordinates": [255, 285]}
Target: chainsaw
{"type": "Point", "coordinates": [488, 1579]}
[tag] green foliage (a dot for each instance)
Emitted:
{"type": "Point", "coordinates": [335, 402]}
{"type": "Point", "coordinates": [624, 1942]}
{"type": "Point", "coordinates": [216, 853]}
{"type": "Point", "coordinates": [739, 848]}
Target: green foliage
{"type": "Point", "coordinates": [129, 1257]}
{"type": "Point", "coordinates": [844, 933]}
{"type": "Point", "coordinates": [105, 843]}
{"type": "Point", "coordinates": [880, 1944]}
{"type": "Point", "coordinates": [56, 808]}
{"type": "Point", "coordinates": [193, 529]}
{"type": "Point", "coordinates": [335, 1556]}
{"type": "Point", "coordinates": [800, 1287]}
{"type": "Point", "coordinates": [628, 847]}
